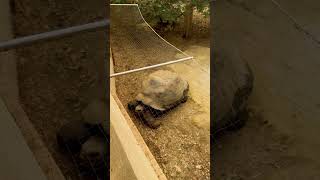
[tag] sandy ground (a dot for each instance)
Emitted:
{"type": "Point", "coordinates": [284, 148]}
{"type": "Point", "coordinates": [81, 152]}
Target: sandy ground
{"type": "Point", "coordinates": [181, 145]}
{"type": "Point", "coordinates": [58, 78]}
{"type": "Point", "coordinates": [197, 73]}
{"type": "Point", "coordinates": [280, 138]}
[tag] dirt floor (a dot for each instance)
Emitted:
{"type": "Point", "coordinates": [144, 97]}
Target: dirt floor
{"type": "Point", "coordinates": [180, 148]}
{"type": "Point", "coordinates": [181, 145]}
{"type": "Point", "coordinates": [279, 141]}
{"type": "Point", "coordinates": [58, 78]}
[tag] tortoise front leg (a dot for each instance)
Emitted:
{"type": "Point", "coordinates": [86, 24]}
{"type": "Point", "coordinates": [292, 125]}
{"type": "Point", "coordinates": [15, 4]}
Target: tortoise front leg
{"type": "Point", "coordinates": [145, 115]}
{"type": "Point", "coordinates": [150, 120]}
{"type": "Point", "coordinates": [132, 105]}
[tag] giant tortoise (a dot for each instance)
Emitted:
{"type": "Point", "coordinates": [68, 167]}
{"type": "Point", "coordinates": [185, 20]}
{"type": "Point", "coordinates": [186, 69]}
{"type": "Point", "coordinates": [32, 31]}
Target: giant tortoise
{"type": "Point", "coordinates": [162, 91]}
{"type": "Point", "coordinates": [232, 86]}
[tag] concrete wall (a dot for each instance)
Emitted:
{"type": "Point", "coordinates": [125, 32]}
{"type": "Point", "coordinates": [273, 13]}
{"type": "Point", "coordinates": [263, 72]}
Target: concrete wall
{"type": "Point", "coordinates": [128, 160]}
{"type": "Point", "coordinates": [19, 160]}
{"type": "Point", "coordinates": [130, 156]}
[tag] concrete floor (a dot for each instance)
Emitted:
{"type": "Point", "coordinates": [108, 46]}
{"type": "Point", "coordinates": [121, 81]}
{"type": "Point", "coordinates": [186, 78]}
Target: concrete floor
{"type": "Point", "coordinates": [286, 67]}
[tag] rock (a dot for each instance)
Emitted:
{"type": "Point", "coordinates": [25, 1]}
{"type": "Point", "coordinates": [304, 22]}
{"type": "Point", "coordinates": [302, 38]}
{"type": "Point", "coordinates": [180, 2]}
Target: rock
{"type": "Point", "coordinates": [173, 174]}
{"type": "Point", "coordinates": [178, 169]}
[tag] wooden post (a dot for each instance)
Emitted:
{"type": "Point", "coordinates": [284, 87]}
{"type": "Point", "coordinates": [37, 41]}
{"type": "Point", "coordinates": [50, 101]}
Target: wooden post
{"type": "Point", "coordinates": [188, 15]}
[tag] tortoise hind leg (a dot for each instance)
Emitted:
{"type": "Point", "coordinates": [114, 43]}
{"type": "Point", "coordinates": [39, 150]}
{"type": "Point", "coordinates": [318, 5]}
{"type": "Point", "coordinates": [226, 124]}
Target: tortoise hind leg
{"type": "Point", "coordinates": [181, 101]}
{"type": "Point", "coordinates": [184, 99]}
{"type": "Point", "coordinates": [185, 95]}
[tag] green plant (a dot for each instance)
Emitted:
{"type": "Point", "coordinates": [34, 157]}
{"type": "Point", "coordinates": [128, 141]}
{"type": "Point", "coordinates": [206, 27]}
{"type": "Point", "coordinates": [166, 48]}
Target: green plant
{"type": "Point", "coordinates": [118, 1]}
{"type": "Point", "coordinates": [202, 6]}
{"type": "Point", "coordinates": [166, 13]}
{"type": "Point", "coordinates": [158, 12]}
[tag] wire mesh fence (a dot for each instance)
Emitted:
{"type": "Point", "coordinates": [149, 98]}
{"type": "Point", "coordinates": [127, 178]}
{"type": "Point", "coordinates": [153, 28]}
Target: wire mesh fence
{"type": "Point", "coordinates": [82, 150]}
{"type": "Point", "coordinates": [89, 153]}
{"type": "Point", "coordinates": [135, 44]}
{"type": "Point", "coordinates": [52, 108]}
{"type": "Point", "coordinates": [57, 80]}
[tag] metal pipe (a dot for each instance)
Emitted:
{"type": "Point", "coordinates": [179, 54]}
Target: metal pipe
{"type": "Point", "coordinates": [150, 67]}
{"type": "Point", "coordinates": [14, 43]}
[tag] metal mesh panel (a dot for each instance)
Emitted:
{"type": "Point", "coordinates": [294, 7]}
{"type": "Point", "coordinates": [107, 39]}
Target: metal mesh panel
{"type": "Point", "coordinates": [86, 167]}
{"type": "Point", "coordinates": [134, 44]}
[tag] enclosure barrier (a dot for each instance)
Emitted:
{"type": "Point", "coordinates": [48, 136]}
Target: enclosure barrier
{"type": "Point", "coordinates": [28, 40]}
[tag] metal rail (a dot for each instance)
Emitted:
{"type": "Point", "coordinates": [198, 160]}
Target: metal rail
{"type": "Point", "coordinates": [55, 34]}
{"type": "Point", "coordinates": [14, 43]}
{"type": "Point", "coordinates": [150, 67]}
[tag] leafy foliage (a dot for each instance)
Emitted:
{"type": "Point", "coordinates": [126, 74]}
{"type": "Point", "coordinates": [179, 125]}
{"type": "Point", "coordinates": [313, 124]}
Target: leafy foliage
{"type": "Point", "coordinates": [167, 12]}
{"type": "Point", "coordinates": [202, 6]}
{"type": "Point", "coordinates": [118, 1]}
